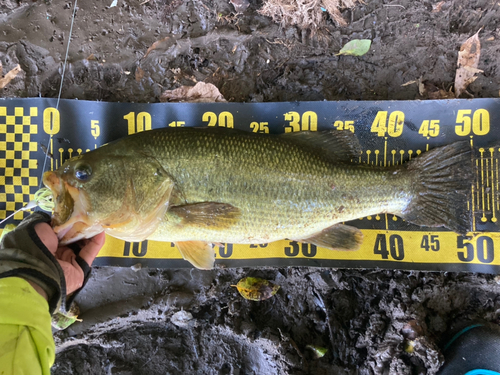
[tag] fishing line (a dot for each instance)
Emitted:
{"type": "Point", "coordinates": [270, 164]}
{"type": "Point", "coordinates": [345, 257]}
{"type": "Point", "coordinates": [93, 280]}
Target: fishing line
{"type": "Point", "coordinates": [60, 89]}
{"type": "Point", "coordinates": [43, 197]}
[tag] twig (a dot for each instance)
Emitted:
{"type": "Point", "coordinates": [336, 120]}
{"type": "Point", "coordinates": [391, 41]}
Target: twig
{"type": "Point", "coordinates": [290, 340]}
{"type": "Point", "coordinates": [194, 344]}
{"type": "Point", "coordinates": [321, 304]}
{"type": "Point", "coordinates": [394, 5]}
{"type": "Point", "coordinates": [151, 356]}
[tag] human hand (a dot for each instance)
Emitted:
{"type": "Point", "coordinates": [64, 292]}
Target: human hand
{"type": "Point", "coordinates": [66, 257]}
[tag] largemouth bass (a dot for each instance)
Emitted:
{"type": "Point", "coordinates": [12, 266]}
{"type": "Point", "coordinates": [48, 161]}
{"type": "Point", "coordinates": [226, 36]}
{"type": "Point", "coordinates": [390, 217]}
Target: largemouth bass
{"type": "Point", "coordinates": [196, 187]}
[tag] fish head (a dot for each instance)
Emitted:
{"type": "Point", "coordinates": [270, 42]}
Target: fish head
{"type": "Point", "coordinates": [125, 195]}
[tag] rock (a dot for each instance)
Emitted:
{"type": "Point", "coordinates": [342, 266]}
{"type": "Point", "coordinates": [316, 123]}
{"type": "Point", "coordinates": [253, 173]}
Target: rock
{"type": "Point", "coordinates": [181, 318]}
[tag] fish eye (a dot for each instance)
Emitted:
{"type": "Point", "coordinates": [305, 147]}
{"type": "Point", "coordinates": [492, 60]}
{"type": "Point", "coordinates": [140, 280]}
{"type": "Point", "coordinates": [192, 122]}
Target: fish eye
{"type": "Point", "coordinates": [83, 172]}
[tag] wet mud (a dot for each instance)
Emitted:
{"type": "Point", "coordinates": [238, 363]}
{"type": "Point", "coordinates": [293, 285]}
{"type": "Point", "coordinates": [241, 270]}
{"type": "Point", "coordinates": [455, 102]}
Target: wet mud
{"type": "Point", "coordinates": [148, 321]}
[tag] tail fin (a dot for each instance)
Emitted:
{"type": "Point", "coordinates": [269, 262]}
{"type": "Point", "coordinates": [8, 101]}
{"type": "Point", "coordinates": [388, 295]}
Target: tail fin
{"type": "Point", "coordinates": [442, 187]}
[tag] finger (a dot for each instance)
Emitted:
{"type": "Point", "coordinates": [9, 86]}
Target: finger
{"type": "Point", "coordinates": [61, 250]}
{"type": "Point", "coordinates": [67, 255]}
{"type": "Point", "coordinates": [92, 247]}
{"type": "Point", "coordinates": [47, 236]}
{"type": "Point", "coordinates": [73, 275]}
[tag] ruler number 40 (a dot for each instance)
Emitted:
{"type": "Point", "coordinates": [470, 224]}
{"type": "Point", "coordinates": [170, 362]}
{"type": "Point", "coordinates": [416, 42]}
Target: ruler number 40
{"type": "Point", "coordinates": [396, 249]}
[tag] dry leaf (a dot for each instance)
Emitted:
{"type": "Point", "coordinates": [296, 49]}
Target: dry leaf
{"type": "Point", "coordinates": [9, 76]}
{"type": "Point", "coordinates": [256, 289]}
{"type": "Point", "coordinates": [306, 14]}
{"type": "Point", "coordinates": [431, 91]}
{"type": "Point", "coordinates": [240, 5]}
{"type": "Point", "coordinates": [155, 45]}
{"type": "Point", "coordinates": [139, 74]}
{"type": "Point", "coordinates": [421, 87]}
{"type": "Point", "coordinates": [437, 7]}
{"type": "Point", "coordinates": [200, 93]}
{"type": "Point", "coordinates": [408, 83]}
{"type": "Point", "coordinates": [411, 331]}
{"type": "Point", "coordinates": [468, 60]}
{"type": "Point", "coordinates": [420, 84]}
{"type": "Point", "coordinates": [441, 94]}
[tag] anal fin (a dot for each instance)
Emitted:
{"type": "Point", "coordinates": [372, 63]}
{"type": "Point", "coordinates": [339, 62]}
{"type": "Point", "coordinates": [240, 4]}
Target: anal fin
{"type": "Point", "coordinates": [337, 237]}
{"type": "Point", "coordinates": [200, 254]}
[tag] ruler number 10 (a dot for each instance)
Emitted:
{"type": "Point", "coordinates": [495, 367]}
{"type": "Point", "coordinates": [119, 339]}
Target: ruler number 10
{"type": "Point", "coordinates": [138, 123]}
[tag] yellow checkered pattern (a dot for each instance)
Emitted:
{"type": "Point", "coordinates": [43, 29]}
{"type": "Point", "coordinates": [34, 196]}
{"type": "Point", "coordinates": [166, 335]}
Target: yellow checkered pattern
{"type": "Point", "coordinates": [18, 164]}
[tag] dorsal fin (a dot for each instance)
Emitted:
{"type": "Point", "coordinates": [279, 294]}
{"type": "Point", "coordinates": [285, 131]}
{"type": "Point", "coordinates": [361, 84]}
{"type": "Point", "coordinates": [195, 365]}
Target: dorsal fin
{"type": "Point", "coordinates": [337, 145]}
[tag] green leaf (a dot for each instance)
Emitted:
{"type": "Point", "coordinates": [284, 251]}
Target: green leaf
{"type": "Point", "coordinates": [356, 47]}
{"type": "Point", "coordinates": [318, 351]}
{"type": "Point", "coordinates": [256, 289]}
{"type": "Point", "coordinates": [62, 320]}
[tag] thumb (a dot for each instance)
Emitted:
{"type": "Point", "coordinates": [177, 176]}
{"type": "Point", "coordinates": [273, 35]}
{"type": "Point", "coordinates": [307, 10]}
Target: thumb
{"type": "Point", "coordinates": [92, 247]}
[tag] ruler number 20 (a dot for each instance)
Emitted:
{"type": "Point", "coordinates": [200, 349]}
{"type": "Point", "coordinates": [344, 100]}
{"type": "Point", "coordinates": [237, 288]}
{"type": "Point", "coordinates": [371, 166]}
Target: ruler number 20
{"type": "Point", "coordinates": [484, 250]}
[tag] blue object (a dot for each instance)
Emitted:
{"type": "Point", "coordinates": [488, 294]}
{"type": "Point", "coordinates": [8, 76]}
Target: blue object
{"type": "Point", "coordinates": [474, 350]}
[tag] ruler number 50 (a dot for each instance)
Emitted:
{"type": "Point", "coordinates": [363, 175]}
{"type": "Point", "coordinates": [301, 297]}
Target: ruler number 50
{"type": "Point", "coordinates": [484, 251]}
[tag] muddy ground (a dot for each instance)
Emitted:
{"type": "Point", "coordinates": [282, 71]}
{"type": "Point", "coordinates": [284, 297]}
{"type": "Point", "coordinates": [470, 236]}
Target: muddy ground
{"type": "Point", "coordinates": [137, 321]}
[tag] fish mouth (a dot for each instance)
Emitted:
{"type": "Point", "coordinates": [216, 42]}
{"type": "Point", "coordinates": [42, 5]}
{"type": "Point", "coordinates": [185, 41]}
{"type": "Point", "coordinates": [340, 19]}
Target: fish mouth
{"type": "Point", "coordinates": [70, 219]}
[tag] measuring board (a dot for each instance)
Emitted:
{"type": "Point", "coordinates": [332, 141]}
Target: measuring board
{"type": "Point", "coordinates": [390, 132]}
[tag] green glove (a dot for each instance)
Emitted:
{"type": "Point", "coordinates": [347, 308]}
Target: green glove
{"type": "Point", "coordinates": [23, 254]}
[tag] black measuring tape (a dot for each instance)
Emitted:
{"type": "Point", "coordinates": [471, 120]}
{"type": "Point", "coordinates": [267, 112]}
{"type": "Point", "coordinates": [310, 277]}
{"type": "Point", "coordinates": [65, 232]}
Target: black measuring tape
{"type": "Point", "coordinates": [390, 132]}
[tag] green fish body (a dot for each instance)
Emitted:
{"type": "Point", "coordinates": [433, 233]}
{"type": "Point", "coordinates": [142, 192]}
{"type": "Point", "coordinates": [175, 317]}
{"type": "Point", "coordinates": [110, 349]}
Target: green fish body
{"type": "Point", "coordinates": [197, 186]}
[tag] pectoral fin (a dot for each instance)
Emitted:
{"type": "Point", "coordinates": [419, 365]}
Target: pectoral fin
{"type": "Point", "coordinates": [207, 214]}
{"type": "Point", "coordinates": [338, 237]}
{"type": "Point", "coordinates": [200, 254]}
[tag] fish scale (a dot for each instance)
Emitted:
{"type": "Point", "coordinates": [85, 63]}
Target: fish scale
{"type": "Point", "coordinates": [283, 190]}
